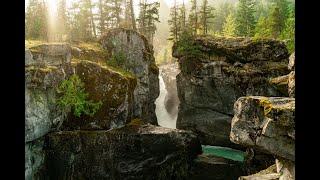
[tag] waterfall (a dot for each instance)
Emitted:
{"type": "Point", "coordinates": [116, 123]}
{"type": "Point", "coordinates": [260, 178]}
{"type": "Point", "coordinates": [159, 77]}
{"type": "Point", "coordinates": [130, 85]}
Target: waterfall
{"type": "Point", "coordinates": [164, 118]}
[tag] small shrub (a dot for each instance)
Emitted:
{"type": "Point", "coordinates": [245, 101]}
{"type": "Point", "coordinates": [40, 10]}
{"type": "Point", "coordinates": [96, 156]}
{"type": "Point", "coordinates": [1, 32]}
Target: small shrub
{"type": "Point", "coordinates": [74, 96]}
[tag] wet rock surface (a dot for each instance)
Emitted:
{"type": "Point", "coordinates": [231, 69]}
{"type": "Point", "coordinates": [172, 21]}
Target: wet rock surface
{"type": "Point", "coordinates": [140, 61]}
{"type": "Point", "coordinates": [209, 85]}
{"type": "Point", "coordinates": [131, 152]}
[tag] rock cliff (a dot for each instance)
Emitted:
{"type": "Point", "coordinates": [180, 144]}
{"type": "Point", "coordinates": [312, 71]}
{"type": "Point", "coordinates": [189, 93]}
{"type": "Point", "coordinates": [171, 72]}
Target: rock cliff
{"type": "Point", "coordinates": [139, 60]}
{"type": "Point", "coordinates": [215, 72]}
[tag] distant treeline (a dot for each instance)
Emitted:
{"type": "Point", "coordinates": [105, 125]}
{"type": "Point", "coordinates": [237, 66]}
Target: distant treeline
{"type": "Point", "coordinates": [246, 18]}
{"type": "Point", "coordinates": [86, 19]}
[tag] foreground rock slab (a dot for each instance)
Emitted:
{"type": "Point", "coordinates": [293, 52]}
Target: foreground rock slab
{"type": "Point", "coordinates": [266, 124]}
{"type": "Point", "coordinates": [131, 152]}
{"type": "Point", "coordinates": [209, 167]}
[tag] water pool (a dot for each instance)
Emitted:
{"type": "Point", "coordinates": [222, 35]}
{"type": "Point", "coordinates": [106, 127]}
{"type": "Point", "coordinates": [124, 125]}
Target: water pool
{"type": "Point", "coordinates": [224, 152]}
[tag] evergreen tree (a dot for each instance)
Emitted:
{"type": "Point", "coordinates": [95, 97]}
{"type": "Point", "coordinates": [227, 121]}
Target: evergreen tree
{"type": "Point", "coordinates": [275, 22]}
{"type": "Point", "coordinates": [288, 34]}
{"type": "Point", "coordinates": [81, 21]}
{"type": "Point", "coordinates": [173, 22]}
{"type": "Point", "coordinates": [262, 29]}
{"type": "Point", "coordinates": [36, 20]}
{"type": "Point", "coordinates": [222, 11]}
{"type": "Point", "coordinates": [193, 17]}
{"type": "Point", "coordinates": [130, 20]}
{"type": "Point", "coordinates": [229, 27]}
{"type": "Point", "coordinates": [245, 18]}
{"type": "Point", "coordinates": [206, 16]}
{"type": "Point", "coordinates": [149, 15]}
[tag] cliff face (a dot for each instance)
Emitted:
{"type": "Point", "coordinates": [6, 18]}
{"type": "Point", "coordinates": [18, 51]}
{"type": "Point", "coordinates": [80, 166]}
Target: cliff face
{"type": "Point", "coordinates": [225, 69]}
{"type": "Point", "coordinates": [139, 61]}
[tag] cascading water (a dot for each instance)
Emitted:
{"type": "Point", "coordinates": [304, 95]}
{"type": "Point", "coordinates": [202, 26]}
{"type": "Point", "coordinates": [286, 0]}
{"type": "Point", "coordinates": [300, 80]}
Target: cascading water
{"type": "Point", "coordinates": [165, 119]}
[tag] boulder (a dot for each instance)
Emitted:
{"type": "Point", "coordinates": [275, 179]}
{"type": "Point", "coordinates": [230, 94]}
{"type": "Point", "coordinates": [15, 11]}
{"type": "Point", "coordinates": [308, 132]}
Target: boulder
{"type": "Point", "coordinates": [112, 88]}
{"type": "Point", "coordinates": [209, 167]}
{"type": "Point", "coordinates": [224, 70]}
{"type": "Point", "coordinates": [52, 54]}
{"type": "Point", "coordinates": [266, 124]}
{"type": "Point", "coordinates": [140, 61]}
{"type": "Point", "coordinates": [281, 83]}
{"type": "Point", "coordinates": [136, 151]}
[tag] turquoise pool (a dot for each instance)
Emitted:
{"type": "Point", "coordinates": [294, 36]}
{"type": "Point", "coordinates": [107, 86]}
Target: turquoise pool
{"type": "Point", "coordinates": [224, 152]}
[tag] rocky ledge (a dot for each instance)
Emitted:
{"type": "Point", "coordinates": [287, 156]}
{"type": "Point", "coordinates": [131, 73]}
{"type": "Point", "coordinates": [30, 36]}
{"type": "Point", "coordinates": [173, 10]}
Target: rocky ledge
{"type": "Point", "coordinates": [135, 151]}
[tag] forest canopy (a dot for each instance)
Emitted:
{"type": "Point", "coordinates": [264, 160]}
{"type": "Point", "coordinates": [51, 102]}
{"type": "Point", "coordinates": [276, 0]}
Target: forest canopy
{"type": "Point", "coordinates": [160, 21]}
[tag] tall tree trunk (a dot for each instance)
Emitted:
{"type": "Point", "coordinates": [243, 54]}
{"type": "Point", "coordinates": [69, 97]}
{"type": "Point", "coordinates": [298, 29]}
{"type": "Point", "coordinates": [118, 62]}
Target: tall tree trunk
{"type": "Point", "coordinates": [133, 20]}
{"type": "Point", "coordinates": [92, 20]}
{"type": "Point", "coordinates": [101, 17]}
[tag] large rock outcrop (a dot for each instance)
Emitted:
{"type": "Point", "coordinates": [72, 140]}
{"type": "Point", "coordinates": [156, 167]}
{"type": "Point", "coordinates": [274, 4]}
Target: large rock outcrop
{"type": "Point", "coordinates": [139, 60]}
{"type": "Point", "coordinates": [113, 89]}
{"type": "Point", "coordinates": [215, 72]}
{"type": "Point", "coordinates": [47, 65]}
{"type": "Point", "coordinates": [132, 152]}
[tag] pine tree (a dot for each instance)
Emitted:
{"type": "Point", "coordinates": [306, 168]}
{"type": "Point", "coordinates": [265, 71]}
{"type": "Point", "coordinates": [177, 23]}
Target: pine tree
{"type": "Point", "coordinates": [262, 29]}
{"type": "Point", "coordinates": [149, 15]}
{"type": "Point", "coordinates": [245, 18]}
{"type": "Point", "coordinates": [36, 20]}
{"type": "Point", "coordinates": [173, 22]}
{"type": "Point", "coordinates": [81, 21]}
{"type": "Point", "coordinates": [130, 20]}
{"type": "Point", "coordinates": [275, 22]}
{"type": "Point", "coordinates": [222, 11]}
{"type": "Point", "coordinates": [229, 27]}
{"type": "Point", "coordinates": [288, 33]}
{"type": "Point", "coordinates": [193, 17]}
{"type": "Point", "coordinates": [206, 16]}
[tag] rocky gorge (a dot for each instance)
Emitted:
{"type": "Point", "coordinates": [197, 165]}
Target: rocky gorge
{"type": "Point", "coordinates": [234, 94]}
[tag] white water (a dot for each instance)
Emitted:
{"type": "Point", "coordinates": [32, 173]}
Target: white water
{"type": "Point", "coordinates": [164, 118]}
